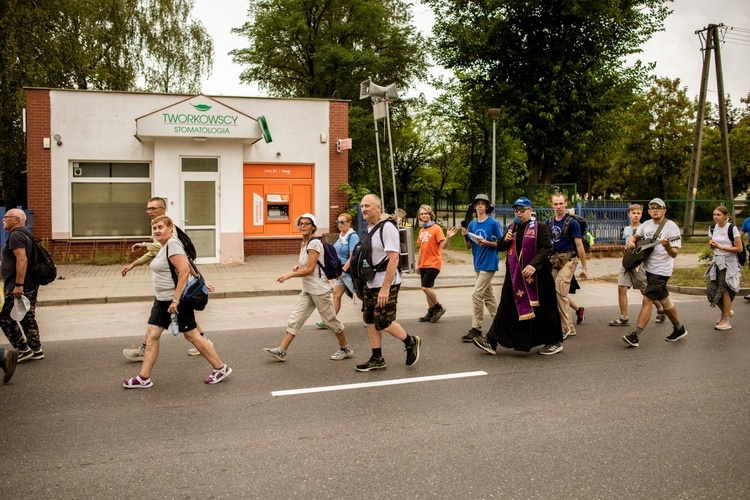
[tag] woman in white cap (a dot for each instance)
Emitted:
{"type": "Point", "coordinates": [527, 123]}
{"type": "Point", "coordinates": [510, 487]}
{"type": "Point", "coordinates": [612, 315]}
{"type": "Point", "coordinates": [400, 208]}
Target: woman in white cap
{"type": "Point", "coordinates": [316, 293]}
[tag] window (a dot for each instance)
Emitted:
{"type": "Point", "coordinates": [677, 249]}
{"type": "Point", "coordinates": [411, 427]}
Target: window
{"type": "Point", "coordinates": [108, 199]}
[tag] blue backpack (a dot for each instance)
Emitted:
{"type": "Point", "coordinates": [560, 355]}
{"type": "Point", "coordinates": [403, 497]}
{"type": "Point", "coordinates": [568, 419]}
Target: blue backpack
{"type": "Point", "coordinates": [331, 266]}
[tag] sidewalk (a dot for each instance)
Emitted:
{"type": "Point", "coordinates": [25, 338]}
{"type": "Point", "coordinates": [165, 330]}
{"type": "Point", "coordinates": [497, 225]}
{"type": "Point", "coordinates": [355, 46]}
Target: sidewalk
{"type": "Point", "coordinates": [256, 277]}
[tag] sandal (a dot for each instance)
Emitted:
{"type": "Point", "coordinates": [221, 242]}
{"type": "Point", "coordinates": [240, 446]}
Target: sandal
{"type": "Point", "coordinates": [619, 322]}
{"type": "Point", "coordinates": [137, 383]}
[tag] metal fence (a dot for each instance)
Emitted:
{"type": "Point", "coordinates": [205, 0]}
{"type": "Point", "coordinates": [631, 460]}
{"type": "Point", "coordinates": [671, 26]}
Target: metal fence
{"type": "Point", "coordinates": [606, 219]}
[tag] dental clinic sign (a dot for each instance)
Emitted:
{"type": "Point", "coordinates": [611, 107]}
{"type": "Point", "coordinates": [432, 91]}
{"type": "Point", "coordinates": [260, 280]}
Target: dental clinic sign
{"type": "Point", "coordinates": [198, 116]}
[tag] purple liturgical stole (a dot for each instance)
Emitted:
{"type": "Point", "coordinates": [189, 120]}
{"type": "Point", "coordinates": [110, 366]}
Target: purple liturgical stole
{"type": "Point", "coordinates": [525, 290]}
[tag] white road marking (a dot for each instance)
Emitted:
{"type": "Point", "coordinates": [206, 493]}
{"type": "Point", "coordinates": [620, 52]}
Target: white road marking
{"type": "Point", "coordinates": [380, 383]}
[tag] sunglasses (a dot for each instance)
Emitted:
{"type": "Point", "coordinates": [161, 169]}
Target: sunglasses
{"type": "Point", "coordinates": [339, 222]}
{"type": "Point", "coordinates": [520, 210]}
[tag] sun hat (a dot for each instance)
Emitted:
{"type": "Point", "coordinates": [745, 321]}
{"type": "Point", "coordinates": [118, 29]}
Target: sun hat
{"type": "Point", "coordinates": [522, 202]}
{"type": "Point", "coordinates": [484, 198]}
{"type": "Point", "coordinates": [307, 216]}
{"type": "Point", "coordinates": [20, 308]}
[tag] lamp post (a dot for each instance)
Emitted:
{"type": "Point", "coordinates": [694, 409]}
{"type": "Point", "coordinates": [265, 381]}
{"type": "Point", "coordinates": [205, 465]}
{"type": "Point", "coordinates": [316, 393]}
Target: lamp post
{"type": "Point", "coordinates": [381, 97]}
{"type": "Point", "coordinates": [494, 115]}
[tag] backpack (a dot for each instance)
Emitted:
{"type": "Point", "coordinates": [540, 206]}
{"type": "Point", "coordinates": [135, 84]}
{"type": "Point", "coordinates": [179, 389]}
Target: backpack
{"type": "Point", "coordinates": [742, 256]}
{"type": "Point", "coordinates": [361, 266]}
{"type": "Point", "coordinates": [331, 266]}
{"type": "Point", "coordinates": [41, 266]}
{"type": "Point", "coordinates": [587, 237]}
{"type": "Point", "coordinates": [187, 243]}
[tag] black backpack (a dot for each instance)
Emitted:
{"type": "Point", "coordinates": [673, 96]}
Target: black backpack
{"type": "Point", "coordinates": [331, 266]}
{"type": "Point", "coordinates": [742, 256]}
{"type": "Point", "coordinates": [361, 266]}
{"type": "Point", "coordinates": [187, 243]}
{"type": "Point", "coordinates": [587, 237]}
{"type": "Point", "coordinates": [41, 266]}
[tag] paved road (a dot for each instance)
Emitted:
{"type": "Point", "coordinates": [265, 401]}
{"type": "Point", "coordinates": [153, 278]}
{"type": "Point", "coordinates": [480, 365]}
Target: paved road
{"type": "Point", "coordinates": [599, 420]}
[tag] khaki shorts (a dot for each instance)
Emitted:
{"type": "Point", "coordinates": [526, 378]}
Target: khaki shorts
{"type": "Point", "coordinates": [633, 278]}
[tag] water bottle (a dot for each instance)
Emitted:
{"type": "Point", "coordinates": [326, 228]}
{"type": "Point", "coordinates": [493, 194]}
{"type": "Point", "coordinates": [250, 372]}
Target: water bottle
{"type": "Point", "coordinates": [365, 264]}
{"type": "Point", "coordinates": [175, 325]}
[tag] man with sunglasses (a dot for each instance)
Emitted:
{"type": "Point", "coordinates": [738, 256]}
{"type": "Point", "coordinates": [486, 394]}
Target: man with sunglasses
{"type": "Point", "coordinates": [17, 283]}
{"type": "Point", "coordinates": [527, 316]}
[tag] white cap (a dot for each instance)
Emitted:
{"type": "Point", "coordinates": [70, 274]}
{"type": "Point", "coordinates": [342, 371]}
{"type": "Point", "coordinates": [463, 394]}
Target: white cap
{"type": "Point", "coordinates": [20, 308]}
{"type": "Point", "coordinates": [657, 201]}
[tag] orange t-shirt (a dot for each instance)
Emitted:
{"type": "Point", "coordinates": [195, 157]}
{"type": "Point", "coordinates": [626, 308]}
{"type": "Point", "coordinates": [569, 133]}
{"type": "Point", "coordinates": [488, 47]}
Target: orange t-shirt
{"type": "Point", "coordinates": [430, 252]}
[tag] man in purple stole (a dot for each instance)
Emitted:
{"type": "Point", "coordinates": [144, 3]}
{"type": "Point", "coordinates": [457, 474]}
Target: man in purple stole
{"type": "Point", "coordinates": [527, 315]}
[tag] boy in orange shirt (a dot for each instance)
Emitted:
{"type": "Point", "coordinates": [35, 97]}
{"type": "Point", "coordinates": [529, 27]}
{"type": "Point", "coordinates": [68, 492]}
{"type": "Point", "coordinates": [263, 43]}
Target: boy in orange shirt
{"type": "Point", "coordinates": [431, 244]}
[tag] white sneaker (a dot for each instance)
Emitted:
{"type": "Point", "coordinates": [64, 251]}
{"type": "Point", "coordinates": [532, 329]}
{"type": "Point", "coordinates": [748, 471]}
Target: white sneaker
{"type": "Point", "coordinates": [342, 353]}
{"type": "Point", "coordinates": [135, 354]}
{"type": "Point", "coordinates": [195, 352]}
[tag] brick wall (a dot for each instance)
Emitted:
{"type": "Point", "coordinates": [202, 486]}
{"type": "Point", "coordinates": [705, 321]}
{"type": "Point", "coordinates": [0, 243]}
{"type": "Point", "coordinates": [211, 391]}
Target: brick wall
{"type": "Point", "coordinates": [39, 161]}
{"type": "Point", "coordinates": [265, 246]}
{"type": "Point", "coordinates": [339, 162]}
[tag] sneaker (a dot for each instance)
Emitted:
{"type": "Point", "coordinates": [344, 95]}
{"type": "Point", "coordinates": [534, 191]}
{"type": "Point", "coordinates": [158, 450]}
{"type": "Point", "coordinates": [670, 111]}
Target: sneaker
{"type": "Point", "coordinates": [747, 297]}
{"type": "Point", "coordinates": [484, 344]}
{"type": "Point", "coordinates": [579, 313]}
{"type": "Point", "coordinates": [660, 317]}
{"type": "Point", "coordinates": [342, 353]}
{"type": "Point", "coordinates": [194, 351]}
{"type": "Point", "coordinates": [25, 355]}
{"type": "Point", "coordinates": [437, 314]}
{"type": "Point", "coordinates": [550, 349]}
{"type": "Point", "coordinates": [135, 354]}
{"type": "Point", "coordinates": [372, 364]}
{"type": "Point", "coordinates": [321, 325]}
{"type": "Point", "coordinates": [36, 355]}
{"type": "Point", "coordinates": [473, 333]}
{"type": "Point", "coordinates": [412, 351]}
{"type": "Point", "coordinates": [676, 334]}
{"type": "Point", "coordinates": [8, 364]}
{"type": "Point", "coordinates": [620, 322]}
{"type": "Point", "coordinates": [631, 339]}
{"type": "Point", "coordinates": [569, 333]}
{"type": "Point", "coordinates": [137, 383]}
{"type": "Point", "coordinates": [218, 375]}
{"type": "Point", "coordinates": [427, 317]}
{"type": "Point", "coordinates": [565, 334]}
{"type": "Point", "coordinates": [276, 352]}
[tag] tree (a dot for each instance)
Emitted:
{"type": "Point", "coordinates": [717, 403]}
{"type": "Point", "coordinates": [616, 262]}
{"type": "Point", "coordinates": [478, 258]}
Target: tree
{"type": "Point", "coordinates": [177, 50]}
{"type": "Point", "coordinates": [554, 67]}
{"type": "Point", "coordinates": [657, 147]}
{"type": "Point", "coordinates": [325, 48]}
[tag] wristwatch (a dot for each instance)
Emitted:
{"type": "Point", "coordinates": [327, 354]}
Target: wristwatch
{"type": "Point", "coordinates": [19, 284]}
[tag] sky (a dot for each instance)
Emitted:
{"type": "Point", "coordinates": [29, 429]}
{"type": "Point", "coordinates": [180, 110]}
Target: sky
{"type": "Point", "coordinates": [676, 51]}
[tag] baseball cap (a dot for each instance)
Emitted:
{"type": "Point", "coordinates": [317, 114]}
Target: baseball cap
{"type": "Point", "coordinates": [657, 201]}
{"type": "Point", "coordinates": [522, 202]}
{"type": "Point", "coordinates": [20, 308]}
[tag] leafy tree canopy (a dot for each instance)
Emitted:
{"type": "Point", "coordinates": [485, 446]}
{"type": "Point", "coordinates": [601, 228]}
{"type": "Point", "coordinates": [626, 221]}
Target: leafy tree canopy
{"type": "Point", "coordinates": [325, 48]}
{"type": "Point", "coordinates": [553, 66]}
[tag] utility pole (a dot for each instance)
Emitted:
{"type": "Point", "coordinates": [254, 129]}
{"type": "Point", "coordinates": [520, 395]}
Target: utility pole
{"type": "Point", "coordinates": [712, 43]}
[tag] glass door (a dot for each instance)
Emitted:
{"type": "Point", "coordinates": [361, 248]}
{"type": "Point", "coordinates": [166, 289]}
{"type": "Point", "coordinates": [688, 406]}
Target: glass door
{"type": "Point", "coordinates": [200, 194]}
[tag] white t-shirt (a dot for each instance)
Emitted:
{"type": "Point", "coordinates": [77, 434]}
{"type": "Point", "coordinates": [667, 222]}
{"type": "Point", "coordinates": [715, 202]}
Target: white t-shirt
{"type": "Point", "coordinates": [315, 283]}
{"type": "Point", "coordinates": [659, 262]}
{"type": "Point", "coordinates": [161, 276]}
{"type": "Point", "coordinates": [721, 236]}
{"type": "Point", "coordinates": [389, 243]}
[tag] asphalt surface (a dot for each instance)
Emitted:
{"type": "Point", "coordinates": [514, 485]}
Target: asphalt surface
{"type": "Point", "coordinates": [598, 420]}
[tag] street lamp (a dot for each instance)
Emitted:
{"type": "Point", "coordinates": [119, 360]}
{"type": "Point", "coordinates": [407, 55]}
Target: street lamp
{"type": "Point", "coordinates": [381, 96]}
{"type": "Point", "coordinates": [494, 115]}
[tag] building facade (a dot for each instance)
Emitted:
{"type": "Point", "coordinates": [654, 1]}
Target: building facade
{"type": "Point", "coordinates": [235, 171]}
